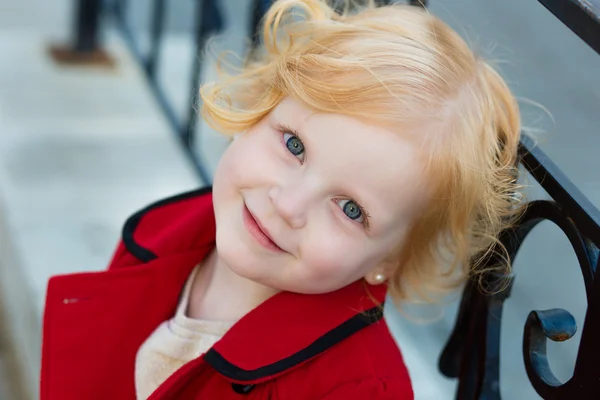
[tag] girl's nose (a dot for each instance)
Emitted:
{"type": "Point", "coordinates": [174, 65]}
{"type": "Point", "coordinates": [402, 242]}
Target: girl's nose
{"type": "Point", "coordinates": [290, 203]}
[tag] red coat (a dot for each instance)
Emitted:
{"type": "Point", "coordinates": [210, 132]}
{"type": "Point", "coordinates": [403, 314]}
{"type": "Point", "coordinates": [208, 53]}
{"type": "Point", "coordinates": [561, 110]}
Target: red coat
{"type": "Point", "coordinates": [295, 347]}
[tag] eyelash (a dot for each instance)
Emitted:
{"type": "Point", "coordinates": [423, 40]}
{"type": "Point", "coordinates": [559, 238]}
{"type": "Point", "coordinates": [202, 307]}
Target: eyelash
{"type": "Point", "coordinates": [284, 129]}
{"type": "Point", "coordinates": [365, 213]}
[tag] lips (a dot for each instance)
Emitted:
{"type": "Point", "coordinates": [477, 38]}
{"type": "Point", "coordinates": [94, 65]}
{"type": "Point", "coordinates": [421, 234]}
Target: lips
{"type": "Point", "coordinates": [259, 232]}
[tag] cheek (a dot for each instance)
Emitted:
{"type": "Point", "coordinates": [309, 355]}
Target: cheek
{"type": "Point", "coordinates": [336, 257]}
{"type": "Point", "coordinates": [230, 161]}
{"type": "Point", "coordinates": [223, 186]}
{"type": "Point", "coordinates": [247, 160]}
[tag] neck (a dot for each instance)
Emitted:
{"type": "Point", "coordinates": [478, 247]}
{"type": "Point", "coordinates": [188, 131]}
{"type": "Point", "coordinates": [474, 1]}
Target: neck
{"type": "Point", "coordinates": [218, 293]}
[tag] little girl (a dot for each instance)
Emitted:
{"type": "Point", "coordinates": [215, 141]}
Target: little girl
{"type": "Point", "coordinates": [374, 154]}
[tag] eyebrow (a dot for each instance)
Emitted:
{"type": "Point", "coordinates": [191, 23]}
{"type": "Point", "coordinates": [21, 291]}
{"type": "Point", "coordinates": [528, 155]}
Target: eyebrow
{"type": "Point", "coordinates": [285, 127]}
{"type": "Point", "coordinates": [282, 113]}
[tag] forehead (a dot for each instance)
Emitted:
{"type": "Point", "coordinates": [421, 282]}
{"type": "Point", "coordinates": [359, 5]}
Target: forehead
{"type": "Point", "coordinates": [385, 165]}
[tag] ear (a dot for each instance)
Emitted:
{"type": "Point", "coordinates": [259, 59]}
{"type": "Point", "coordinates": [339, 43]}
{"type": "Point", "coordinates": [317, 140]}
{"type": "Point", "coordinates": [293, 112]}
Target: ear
{"type": "Point", "coordinates": [375, 278]}
{"type": "Point", "coordinates": [380, 273]}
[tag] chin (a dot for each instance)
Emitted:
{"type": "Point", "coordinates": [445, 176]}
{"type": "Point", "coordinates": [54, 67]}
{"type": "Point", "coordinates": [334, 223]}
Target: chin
{"type": "Point", "coordinates": [234, 252]}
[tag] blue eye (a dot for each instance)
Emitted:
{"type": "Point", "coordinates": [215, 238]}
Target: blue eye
{"type": "Point", "coordinates": [294, 145]}
{"type": "Point", "coordinates": [351, 209]}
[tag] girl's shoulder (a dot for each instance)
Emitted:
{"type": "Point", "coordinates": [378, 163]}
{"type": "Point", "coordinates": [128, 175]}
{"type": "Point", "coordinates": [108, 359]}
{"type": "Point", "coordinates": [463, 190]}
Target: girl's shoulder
{"type": "Point", "coordinates": [366, 365]}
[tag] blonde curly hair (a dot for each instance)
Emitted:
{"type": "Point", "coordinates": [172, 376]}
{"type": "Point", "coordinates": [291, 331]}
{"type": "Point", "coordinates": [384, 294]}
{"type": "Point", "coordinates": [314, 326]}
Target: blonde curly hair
{"type": "Point", "coordinates": [395, 65]}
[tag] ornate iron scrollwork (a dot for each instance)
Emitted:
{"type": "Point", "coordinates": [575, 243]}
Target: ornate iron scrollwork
{"type": "Point", "coordinates": [555, 324]}
{"type": "Point", "coordinates": [472, 351]}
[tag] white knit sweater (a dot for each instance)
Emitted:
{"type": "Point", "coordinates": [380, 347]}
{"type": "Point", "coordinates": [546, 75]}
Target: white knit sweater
{"type": "Point", "coordinates": [174, 343]}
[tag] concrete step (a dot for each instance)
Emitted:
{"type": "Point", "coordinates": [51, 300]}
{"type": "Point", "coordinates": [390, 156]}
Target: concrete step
{"type": "Point", "coordinates": [11, 386]}
{"type": "Point", "coordinates": [80, 149]}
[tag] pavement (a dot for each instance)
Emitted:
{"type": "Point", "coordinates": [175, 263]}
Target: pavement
{"type": "Point", "coordinates": [80, 149]}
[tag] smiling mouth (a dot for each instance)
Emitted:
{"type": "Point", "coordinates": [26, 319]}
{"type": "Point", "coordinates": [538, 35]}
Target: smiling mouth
{"type": "Point", "coordinates": [258, 232]}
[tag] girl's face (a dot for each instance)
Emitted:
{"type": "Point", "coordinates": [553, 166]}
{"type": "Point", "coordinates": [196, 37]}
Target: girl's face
{"type": "Point", "coordinates": [309, 203]}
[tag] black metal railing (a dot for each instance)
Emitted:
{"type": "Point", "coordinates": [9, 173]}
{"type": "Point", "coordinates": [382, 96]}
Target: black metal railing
{"type": "Point", "coordinates": [208, 20]}
{"type": "Point", "coordinates": [472, 353]}
{"type": "Point", "coordinates": [581, 16]}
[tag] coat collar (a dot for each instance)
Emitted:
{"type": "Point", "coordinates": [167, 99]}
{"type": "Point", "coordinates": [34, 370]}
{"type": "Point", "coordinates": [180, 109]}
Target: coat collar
{"type": "Point", "coordinates": [283, 332]}
{"type": "Point", "coordinates": [289, 329]}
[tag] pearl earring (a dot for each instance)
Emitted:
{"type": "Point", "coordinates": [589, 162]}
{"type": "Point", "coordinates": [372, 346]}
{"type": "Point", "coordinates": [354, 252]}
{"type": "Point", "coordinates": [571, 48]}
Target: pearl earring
{"type": "Point", "coordinates": [379, 278]}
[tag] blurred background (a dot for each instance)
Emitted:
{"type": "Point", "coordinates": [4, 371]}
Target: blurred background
{"type": "Point", "coordinates": [88, 138]}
